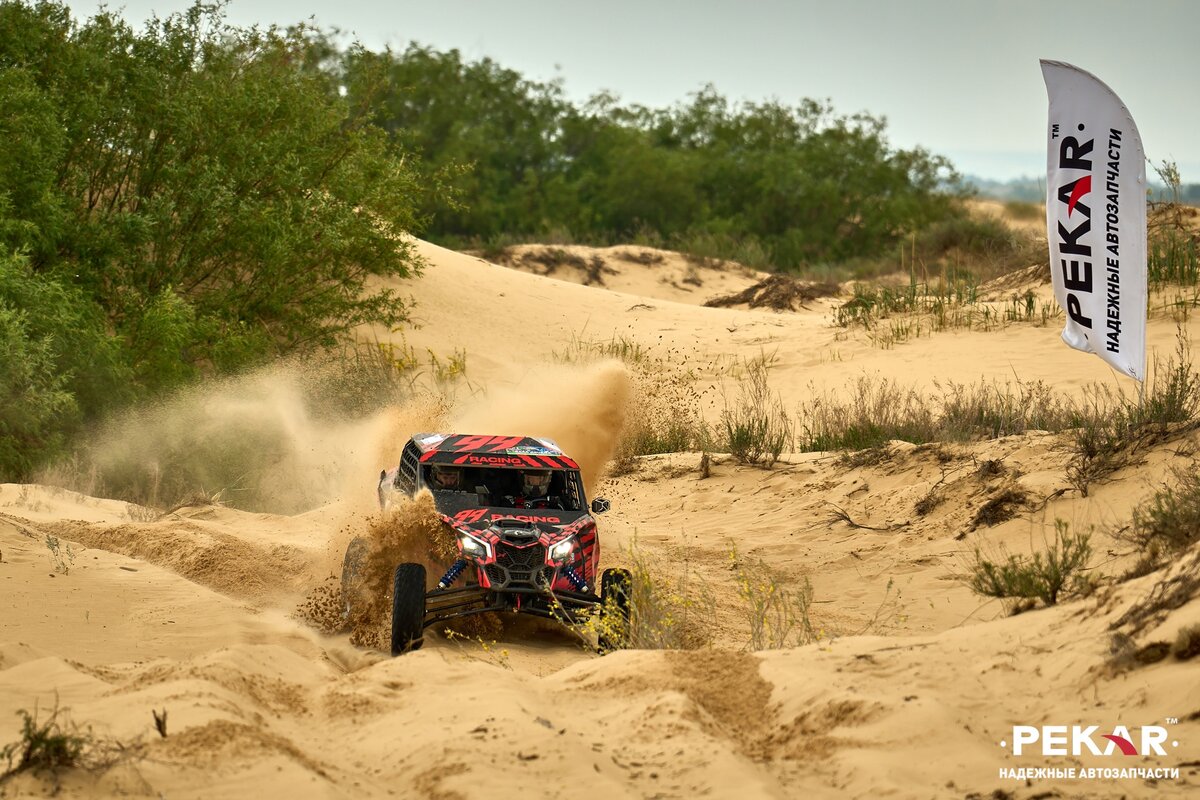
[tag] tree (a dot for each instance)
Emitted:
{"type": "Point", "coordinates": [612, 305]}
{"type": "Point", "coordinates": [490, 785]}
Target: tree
{"type": "Point", "coordinates": [202, 182]}
{"type": "Point", "coordinates": [36, 407]}
{"type": "Point", "coordinates": [484, 132]}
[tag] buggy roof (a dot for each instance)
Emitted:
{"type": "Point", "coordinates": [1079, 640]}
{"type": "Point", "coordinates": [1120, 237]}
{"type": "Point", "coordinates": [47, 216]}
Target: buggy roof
{"type": "Point", "coordinates": [473, 450]}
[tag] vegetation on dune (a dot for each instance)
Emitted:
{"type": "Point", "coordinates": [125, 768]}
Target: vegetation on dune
{"type": "Point", "coordinates": [1168, 525]}
{"type": "Point", "coordinates": [1045, 575]}
{"type": "Point", "coordinates": [51, 745]}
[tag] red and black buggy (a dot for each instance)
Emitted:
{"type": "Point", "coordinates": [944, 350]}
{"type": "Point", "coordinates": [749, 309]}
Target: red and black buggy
{"type": "Point", "coordinates": [526, 537]}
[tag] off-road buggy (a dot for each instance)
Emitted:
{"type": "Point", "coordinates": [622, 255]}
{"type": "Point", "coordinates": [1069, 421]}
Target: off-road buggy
{"type": "Point", "coordinates": [516, 553]}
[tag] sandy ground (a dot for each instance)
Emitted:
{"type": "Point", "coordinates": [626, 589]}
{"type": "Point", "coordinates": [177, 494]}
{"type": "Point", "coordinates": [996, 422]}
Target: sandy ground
{"type": "Point", "coordinates": [909, 691]}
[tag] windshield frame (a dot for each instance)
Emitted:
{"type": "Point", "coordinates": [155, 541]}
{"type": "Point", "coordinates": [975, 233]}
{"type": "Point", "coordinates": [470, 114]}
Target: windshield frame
{"type": "Point", "coordinates": [502, 482]}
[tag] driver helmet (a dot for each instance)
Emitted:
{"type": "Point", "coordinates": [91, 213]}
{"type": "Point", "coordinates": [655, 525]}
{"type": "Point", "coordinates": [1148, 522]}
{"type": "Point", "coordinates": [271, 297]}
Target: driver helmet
{"type": "Point", "coordinates": [536, 482]}
{"type": "Point", "coordinates": [445, 477]}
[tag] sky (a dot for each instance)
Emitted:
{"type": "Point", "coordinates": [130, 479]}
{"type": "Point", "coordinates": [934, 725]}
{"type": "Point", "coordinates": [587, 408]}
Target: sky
{"type": "Point", "coordinates": [957, 77]}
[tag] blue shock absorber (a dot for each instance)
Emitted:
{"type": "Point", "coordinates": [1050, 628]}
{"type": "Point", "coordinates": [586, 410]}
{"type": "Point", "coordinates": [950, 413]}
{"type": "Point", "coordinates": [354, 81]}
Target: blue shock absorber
{"type": "Point", "coordinates": [575, 580]}
{"type": "Point", "coordinates": [452, 574]}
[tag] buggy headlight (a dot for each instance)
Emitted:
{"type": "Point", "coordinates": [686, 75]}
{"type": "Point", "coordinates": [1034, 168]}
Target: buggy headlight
{"type": "Point", "coordinates": [473, 547]}
{"type": "Point", "coordinates": [562, 551]}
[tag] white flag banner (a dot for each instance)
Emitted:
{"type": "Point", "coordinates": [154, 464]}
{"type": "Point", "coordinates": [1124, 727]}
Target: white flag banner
{"type": "Point", "coordinates": [1096, 218]}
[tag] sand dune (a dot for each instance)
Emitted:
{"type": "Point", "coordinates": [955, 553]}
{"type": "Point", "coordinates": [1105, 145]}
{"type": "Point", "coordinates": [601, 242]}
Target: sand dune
{"type": "Point", "coordinates": [909, 692]}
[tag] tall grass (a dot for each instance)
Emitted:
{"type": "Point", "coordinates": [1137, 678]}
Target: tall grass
{"type": "Point", "coordinates": [776, 615]}
{"type": "Point", "coordinates": [879, 410]}
{"type": "Point", "coordinates": [1114, 428]}
{"type": "Point", "coordinates": [1172, 257]}
{"type": "Point", "coordinates": [756, 426]}
{"type": "Point", "coordinates": [895, 314]}
{"type": "Point", "coordinates": [876, 412]}
{"type": "Point", "coordinates": [673, 607]}
{"type": "Point", "coordinates": [663, 415]}
{"type": "Point", "coordinates": [580, 350]}
{"type": "Point", "coordinates": [1170, 522]}
{"type": "Point", "coordinates": [873, 302]}
{"type": "Point", "coordinates": [993, 410]}
{"type": "Point", "coordinates": [1106, 429]}
{"type": "Point", "coordinates": [1173, 248]}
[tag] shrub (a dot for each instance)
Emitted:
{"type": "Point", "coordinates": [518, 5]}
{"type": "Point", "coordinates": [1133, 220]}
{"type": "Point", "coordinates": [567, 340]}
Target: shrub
{"type": "Point", "coordinates": [984, 241]}
{"type": "Point", "coordinates": [35, 406]}
{"type": "Point", "coordinates": [969, 235]}
{"type": "Point", "coordinates": [1170, 522]}
{"type": "Point", "coordinates": [1044, 575]}
{"type": "Point", "coordinates": [1024, 210]}
{"type": "Point", "coordinates": [1101, 444]}
{"type": "Point", "coordinates": [1174, 392]}
{"type": "Point", "coordinates": [193, 197]}
{"type": "Point", "coordinates": [50, 746]}
{"type": "Point", "coordinates": [1187, 643]}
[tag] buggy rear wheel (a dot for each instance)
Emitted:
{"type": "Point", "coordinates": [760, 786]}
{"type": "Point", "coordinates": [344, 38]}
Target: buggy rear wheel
{"type": "Point", "coordinates": [408, 608]}
{"type": "Point", "coordinates": [616, 594]}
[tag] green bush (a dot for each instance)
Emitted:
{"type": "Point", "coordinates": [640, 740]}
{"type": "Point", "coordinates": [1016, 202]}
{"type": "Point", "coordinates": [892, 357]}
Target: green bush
{"type": "Point", "coordinates": [200, 182]}
{"type": "Point", "coordinates": [50, 747]}
{"type": "Point", "coordinates": [92, 361]}
{"type": "Point", "coordinates": [34, 406]}
{"type": "Point", "coordinates": [1044, 575]}
{"type": "Point", "coordinates": [978, 236]}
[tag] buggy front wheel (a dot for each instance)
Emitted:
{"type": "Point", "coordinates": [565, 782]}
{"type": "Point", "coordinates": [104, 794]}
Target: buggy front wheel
{"type": "Point", "coordinates": [408, 608]}
{"type": "Point", "coordinates": [616, 595]}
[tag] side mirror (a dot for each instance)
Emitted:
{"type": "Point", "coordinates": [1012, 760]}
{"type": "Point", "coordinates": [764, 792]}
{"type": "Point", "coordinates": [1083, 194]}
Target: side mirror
{"type": "Point", "coordinates": [599, 505]}
{"type": "Point", "coordinates": [482, 496]}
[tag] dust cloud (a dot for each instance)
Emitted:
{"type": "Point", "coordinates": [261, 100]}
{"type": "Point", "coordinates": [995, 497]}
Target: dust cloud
{"type": "Point", "coordinates": [581, 408]}
{"type": "Point", "coordinates": [275, 440]}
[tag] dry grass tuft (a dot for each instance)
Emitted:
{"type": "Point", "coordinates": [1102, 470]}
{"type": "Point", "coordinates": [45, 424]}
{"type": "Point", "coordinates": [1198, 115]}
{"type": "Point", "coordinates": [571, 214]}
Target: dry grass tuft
{"type": "Point", "coordinates": [778, 292]}
{"type": "Point", "coordinates": [1000, 507]}
{"type": "Point", "coordinates": [1187, 643]}
{"type": "Point", "coordinates": [53, 745]}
